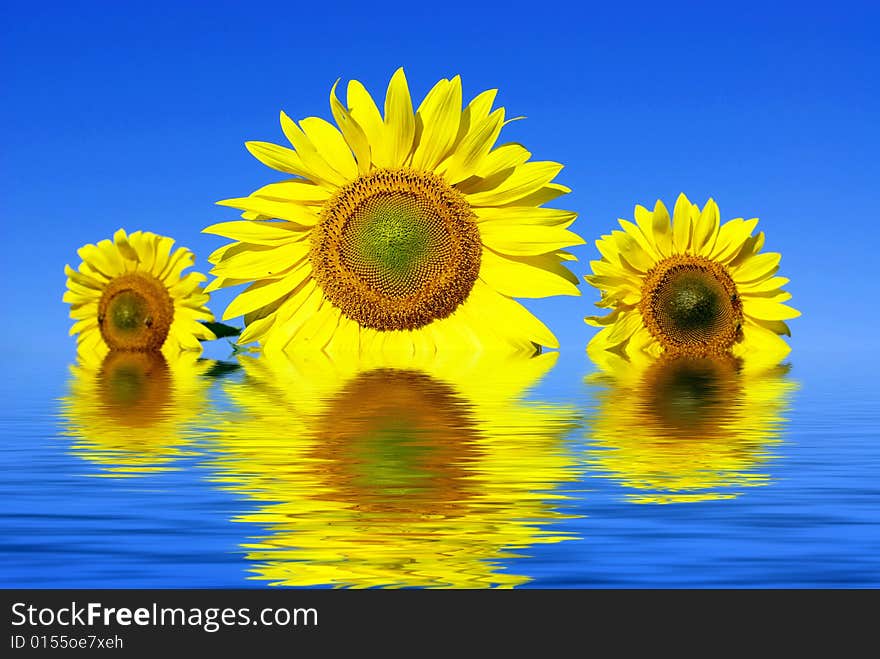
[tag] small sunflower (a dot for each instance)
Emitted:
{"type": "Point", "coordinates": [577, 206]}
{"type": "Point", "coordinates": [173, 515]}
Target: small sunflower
{"type": "Point", "coordinates": [376, 472]}
{"type": "Point", "coordinates": [132, 412]}
{"type": "Point", "coordinates": [692, 286]}
{"type": "Point", "coordinates": [130, 295]}
{"type": "Point", "coordinates": [687, 428]}
{"type": "Point", "coordinates": [399, 233]}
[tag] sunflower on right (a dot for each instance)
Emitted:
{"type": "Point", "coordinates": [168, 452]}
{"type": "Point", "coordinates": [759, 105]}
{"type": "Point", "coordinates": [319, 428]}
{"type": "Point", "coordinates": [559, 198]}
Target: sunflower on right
{"type": "Point", "coordinates": [688, 286]}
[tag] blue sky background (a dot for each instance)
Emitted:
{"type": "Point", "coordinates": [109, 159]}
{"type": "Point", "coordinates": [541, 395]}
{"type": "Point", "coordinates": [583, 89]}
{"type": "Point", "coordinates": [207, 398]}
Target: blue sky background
{"type": "Point", "coordinates": [134, 115]}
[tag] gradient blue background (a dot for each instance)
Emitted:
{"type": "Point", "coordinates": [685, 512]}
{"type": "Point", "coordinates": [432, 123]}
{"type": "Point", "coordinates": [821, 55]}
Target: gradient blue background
{"type": "Point", "coordinates": [134, 115]}
{"type": "Point", "coordinates": [125, 114]}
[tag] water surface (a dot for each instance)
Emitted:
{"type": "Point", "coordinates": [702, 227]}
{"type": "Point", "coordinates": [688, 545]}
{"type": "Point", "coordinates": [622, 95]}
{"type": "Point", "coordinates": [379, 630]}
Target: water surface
{"type": "Point", "coordinates": [245, 472]}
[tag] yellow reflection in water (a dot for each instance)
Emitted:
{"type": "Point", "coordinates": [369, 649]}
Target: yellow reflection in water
{"type": "Point", "coordinates": [394, 473]}
{"type": "Point", "coordinates": [687, 428]}
{"type": "Point", "coordinates": [131, 412]}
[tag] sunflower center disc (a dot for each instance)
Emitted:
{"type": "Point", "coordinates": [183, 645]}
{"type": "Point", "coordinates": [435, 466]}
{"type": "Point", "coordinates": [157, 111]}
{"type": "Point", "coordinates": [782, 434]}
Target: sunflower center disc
{"type": "Point", "coordinates": [135, 313]}
{"type": "Point", "coordinates": [690, 305]}
{"type": "Point", "coordinates": [396, 249]}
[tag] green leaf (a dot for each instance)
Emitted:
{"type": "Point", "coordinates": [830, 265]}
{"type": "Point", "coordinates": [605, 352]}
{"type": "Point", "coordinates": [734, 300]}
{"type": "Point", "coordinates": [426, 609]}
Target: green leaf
{"type": "Point", "coordinates": [221, 331]}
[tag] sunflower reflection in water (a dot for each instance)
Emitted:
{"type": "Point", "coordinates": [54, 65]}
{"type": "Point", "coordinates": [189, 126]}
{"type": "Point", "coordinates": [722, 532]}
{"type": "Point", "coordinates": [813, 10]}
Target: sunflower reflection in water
{"type": "Point", "coordinates": [687, 428]}
{"type": "Point", "coordinates": [132, 412]}
{"type": "Point", "coordinates": [395, 473]}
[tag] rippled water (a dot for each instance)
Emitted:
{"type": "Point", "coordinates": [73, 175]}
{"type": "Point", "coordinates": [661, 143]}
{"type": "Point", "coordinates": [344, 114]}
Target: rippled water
{"type": "Point", "coordinates": [463, 472]}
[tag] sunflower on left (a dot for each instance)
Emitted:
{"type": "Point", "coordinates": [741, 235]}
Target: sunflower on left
{"type": "Point", "coordinates": [130, 294]}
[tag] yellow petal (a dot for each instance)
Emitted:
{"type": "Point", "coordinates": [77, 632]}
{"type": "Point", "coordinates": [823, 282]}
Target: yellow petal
{"type": "Point", "coordinates": [510, 316]}
{"type": "Point", "coordinates": [187, 286]}
{"type": "Point", "coordinates": [83, 325]}
{"type": "Point", "coordinates": [731, 237]}
{"type": "Point", "coordinates": [100, 260]}
{"type": "Point", "coordinates": [267, 291]}
{"type": "Point", "coordinates": [317, 167]}
{"type": "Point", "coordinates": [522, 277]}
{"type": "Point", "coordinates": [541, 196]}
{"type": "Point", "coordinates": [290, 316]}
{"type": "Point", "coordinates": [437, 121]}
{"type": "Point", "coordinates": [282, 210]}
{"type": "Point", "coordinates": [599, 344]}
{"type": "Point", "coordinates": [163, 245]}
{"type": "Point", "coordinates": [257, 233]}
{"type": "Point", "coordinates": [256, 330]}
{"type": "Point", "coordinates": [756, 268]}
{"type": "Point", "coordinates": [84, 280]}
{"type": "Point", "coordinates": [647, 245]}
{"type": "Point", "coordinates": [469, 155]}
{"type": "Point", "coordinates": [475, 112]}
{"type": "Point", "coordinates": [352, 131]}
{"type": "Point", "coordinates": [625, 327]}
{"type": "Point", "coordinates": [777, 326]}
{"type": "Point", "coordinates": [607, 320]}
{"type": "Point", "coordinates": [661, 228]}
{"type": "Point", "coordinates": [295, 190]}
{"type": "Point", "coordinates": [346, 339]}
{"type": "Point", "coordinates": [179, 261]}
{"type": "Point", "coordinates": [706, 229]}
{"type": "Point", "coordinates": [524, 180]}
{"type": "Point", "coordinates": [631, 252]}
{"type": "Point", "coordinates": [330, 143]}
{"type": "Point", "coordinates": [455, 334]}
{"type": "Point", "coordinates": [549, 217]}
{"type": "Point", "coordinates": [759, 341]}
{"type": "Point", "coordinates": [145, 245]}
{"type": "Point", "coordinates": [768, 310]}
{"type": "Point", "coordinates": [524, 239]}
{"type": "Point", "coordinates": [363, 110]}
{"type": "Point", "coordinates": [278, 157]}
{"type": "Point", "coordinates": [681, 224]}
{"type": "Point", "coordinates": [124, 246]}
{"type": "Point", "coordinates": [319, 327]}
{"type": "Point", "coordinates": [762, 285]}
{"type": "Point", "coordinates": [258, 262]}
{"type": "Point", "coordinates": [400, 123]}
{"type": "Point", "coordinates": [397, 344]}
{"type": "Point", "coordinates": [504, 157]}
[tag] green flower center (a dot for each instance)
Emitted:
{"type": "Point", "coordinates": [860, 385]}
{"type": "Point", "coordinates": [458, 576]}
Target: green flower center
{"type": "Point", "coordinates": [396, 242]}
{"type": "Point", "coordinates": [129, 312]}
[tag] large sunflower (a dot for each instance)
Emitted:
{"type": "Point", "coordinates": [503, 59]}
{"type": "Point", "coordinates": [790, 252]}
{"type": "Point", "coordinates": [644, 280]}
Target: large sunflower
{"type": "Point", "coordinates": [686, 428]}
{"type": "Point", "coordinates": [129, 294]}
{"type": "Point", "coordinates": [134, 412]}
{"type": "Point", "coordinates": [427, 473]}
{"type": "Point", "coordinates": [400, 233]}
{"type": "Point", "coordinates": [692, 286]}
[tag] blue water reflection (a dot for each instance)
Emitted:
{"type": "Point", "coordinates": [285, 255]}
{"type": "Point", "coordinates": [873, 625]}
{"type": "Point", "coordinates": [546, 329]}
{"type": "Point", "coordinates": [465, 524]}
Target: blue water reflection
{"type": "Point", "coordinates": [215, 473]}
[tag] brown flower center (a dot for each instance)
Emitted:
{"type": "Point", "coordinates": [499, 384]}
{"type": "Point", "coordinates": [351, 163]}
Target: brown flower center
{"type": "Point", "coordinates": [135, 313]}
{"type": "Point", "coordinates": [691, 306]}
{"type": "Point", "coordinates": [396, 249]}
